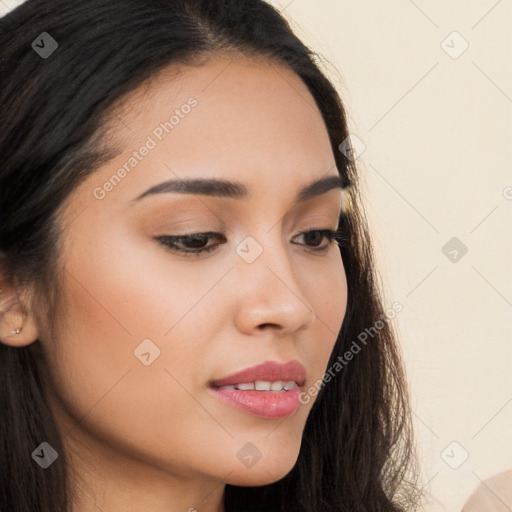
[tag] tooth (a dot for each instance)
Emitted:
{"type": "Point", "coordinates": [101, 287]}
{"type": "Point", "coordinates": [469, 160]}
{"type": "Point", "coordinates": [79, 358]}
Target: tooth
{"type": "Point", "coordinates": [245, 386]}
{"type": "Point", "coordinates": [290, 385]}
{"type": "Point", "coordinates": [277, 386]}
{"type": "Point", "coordinates": [262, 385]}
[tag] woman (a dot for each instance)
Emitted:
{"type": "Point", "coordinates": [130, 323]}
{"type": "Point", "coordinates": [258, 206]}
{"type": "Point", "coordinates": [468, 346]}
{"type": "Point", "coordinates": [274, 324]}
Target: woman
{"type": "Point", "coordinates": [190, 317]}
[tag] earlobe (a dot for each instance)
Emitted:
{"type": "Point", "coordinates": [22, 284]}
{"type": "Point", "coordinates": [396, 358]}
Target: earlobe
{"type": "Point", "coordinates": [17, 329]}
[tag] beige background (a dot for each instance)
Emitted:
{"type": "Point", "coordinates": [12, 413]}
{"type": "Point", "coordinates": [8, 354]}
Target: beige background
{"type": "Point", "coordinates": [436, 126]}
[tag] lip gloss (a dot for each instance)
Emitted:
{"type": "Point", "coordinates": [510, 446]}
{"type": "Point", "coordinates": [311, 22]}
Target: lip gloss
{"type": "Point", "coordinates": [264, 404]}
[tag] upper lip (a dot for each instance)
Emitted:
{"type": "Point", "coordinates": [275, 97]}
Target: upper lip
{"type": "Point", "coordinates": [271, 371]}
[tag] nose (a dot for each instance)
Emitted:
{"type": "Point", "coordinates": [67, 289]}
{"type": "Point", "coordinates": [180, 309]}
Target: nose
{"type": "Point", "coordinates": [269, 293]}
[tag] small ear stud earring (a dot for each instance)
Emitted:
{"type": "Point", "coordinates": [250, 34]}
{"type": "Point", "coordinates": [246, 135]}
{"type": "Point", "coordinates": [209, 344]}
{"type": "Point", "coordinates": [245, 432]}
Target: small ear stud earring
{"type": "Point", "coordinates": [16, 331]}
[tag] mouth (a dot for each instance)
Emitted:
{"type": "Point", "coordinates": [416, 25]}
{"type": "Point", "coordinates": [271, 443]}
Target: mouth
{"type": "Point", "coordinates": [278, 386]}
{"type": "Point", "coordinates": [270, 390]}
{"type": "Point", "coordinates": [265, 374]}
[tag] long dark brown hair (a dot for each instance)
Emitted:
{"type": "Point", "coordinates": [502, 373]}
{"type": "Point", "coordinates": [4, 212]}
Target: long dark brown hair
{"type": "Point", "coordinates": [357, 452]}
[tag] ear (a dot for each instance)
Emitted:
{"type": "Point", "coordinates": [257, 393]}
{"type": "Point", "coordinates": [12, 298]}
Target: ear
{"type": "Point", "coordinates": [13, 316]}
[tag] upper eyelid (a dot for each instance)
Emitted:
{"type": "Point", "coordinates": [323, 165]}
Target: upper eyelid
{"type": "Point", "coordinates": [224, 227]}
{"type": "Point", "coordinates": [216, 218]}
{"type": "Point", "coordinates": [220, 233]}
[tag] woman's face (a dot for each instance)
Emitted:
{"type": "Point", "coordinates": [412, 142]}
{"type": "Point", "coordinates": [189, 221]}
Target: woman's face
{"type": "Point", "coordinates": [147, 330]}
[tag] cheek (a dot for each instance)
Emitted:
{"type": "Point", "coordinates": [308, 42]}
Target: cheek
{"type": "Point", "coordinates": [123, 285]}
{"type": "Point", "coordinates": [120, 291]}
{"type": "Point", "coordinates": [328, 296]}
{"type": "Point", "coordinates": [108, 390]}
{"type": "Point", "coordinates": [327, 292]}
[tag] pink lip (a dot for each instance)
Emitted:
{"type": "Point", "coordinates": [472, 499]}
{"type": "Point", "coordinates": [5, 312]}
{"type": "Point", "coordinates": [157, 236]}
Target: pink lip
{"type": "Point", "coordinates": [268, 371]}
{"type": "Point", "coordinates": [264, 404]}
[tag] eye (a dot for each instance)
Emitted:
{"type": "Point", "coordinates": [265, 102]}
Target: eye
{"type": "Point", "coordinates": [315, 237]}
{"type": "Point", "coordinates": [197, 243]}
{"type": "Point", "coordinates": [195, 240]}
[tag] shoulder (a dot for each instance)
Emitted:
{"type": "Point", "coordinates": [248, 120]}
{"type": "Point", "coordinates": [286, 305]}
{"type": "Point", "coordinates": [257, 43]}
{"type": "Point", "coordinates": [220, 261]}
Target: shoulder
{"type": "Point", "coordinates": [492, 495]}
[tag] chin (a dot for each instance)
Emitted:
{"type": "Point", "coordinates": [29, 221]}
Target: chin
{"type": "Point", "coordinates": [262, 473]}
{"type": "Point", "coordinates": [259, 479]}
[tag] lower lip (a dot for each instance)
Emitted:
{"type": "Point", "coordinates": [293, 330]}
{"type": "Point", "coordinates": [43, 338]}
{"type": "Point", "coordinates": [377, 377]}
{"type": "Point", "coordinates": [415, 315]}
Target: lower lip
{"type": "Point", "coordinates": [265, 404]}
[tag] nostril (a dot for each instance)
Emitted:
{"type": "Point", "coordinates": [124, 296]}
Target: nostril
{"type": "Point", "coordinates": [264, 326]}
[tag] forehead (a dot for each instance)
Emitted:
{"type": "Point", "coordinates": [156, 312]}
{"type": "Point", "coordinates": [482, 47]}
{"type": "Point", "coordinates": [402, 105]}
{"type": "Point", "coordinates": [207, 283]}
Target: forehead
{"type": "Point", "coordinates": [242, 106]}
{"type": "Point", "coordinates": [245, 120]}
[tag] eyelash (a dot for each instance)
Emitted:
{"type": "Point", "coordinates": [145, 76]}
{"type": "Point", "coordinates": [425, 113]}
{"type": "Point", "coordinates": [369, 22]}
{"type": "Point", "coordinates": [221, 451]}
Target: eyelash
{"type": "Point", "coordinates": [338, 236]}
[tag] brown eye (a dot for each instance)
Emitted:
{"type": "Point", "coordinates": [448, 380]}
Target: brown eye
{"type": "Point", "coordinates": [316, 236]}
{"type": "Point", "coordinates": [190, 244]}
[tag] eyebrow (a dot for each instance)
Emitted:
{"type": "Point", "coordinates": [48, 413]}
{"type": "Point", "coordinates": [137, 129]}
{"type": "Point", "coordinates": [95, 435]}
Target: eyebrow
{"type": "Point", "coordinates": [236, 190]}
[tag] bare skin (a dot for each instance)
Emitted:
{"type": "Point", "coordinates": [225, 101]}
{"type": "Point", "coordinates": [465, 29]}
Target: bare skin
{"type": "Point", "coordinates": [492, 495]}
{"type": "Point", "coordinates": [153, 437]}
